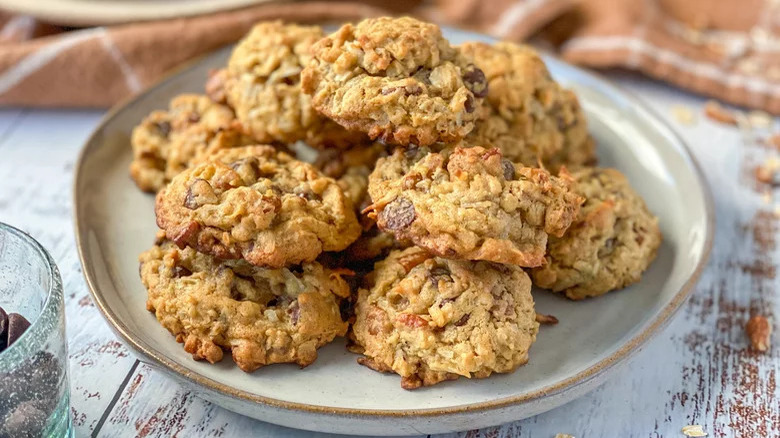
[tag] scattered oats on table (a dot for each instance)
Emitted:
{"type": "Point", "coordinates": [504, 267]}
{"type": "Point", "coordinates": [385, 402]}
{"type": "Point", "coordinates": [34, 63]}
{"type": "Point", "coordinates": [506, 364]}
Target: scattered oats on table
{"type": "Point", "coordinates": [683, 115]}
{"type": "Point", "coordinates": [694, 430]}
{"type": "Point", "coordinates": [717, 112]}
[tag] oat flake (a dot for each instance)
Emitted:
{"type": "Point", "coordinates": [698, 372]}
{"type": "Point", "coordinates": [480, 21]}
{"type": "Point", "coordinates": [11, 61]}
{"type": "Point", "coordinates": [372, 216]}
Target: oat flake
{"type": "Point", "coordinates": [683, 114]}
{"type": "Point", "coordinates": [694, 430]}
{"type": "Point", "coordinates": [759, 119]}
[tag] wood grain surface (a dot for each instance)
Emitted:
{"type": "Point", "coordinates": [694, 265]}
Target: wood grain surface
{"type": "Point", "coordinates": [699, 370]}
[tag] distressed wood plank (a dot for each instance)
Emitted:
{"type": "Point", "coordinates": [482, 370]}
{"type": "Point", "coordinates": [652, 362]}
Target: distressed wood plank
{"type": "Point", "coordinates": [699, 370]}
{"type": "Point", "coordinates": [38, 153]}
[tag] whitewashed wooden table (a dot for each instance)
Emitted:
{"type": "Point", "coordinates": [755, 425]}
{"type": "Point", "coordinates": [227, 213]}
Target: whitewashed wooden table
{"type": "Point", "coordinates": [699, 370]}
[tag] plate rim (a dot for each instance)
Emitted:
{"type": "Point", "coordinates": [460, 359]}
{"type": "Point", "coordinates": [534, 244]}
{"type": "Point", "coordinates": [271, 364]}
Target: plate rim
{"type": "Point", "coordinates": [623, 353]}
{"type": "Point", "coordinates": [83, 13]}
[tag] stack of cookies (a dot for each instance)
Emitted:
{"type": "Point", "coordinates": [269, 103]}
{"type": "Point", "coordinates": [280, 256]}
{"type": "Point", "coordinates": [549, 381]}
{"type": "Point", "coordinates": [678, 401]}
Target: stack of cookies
{"type": "Point", "coordinates": [445, 182]}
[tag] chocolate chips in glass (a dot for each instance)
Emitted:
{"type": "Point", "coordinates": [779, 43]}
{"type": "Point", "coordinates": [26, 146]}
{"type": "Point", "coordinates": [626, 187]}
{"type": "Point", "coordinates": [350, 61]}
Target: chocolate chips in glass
{"type": "Point", "coordinates": [28, 393]}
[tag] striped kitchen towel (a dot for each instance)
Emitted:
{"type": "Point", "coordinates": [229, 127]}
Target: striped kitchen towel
{"type": "Point", "coordinates": [726, 49]}
{"type": "Point", "coordinates": [46, 66]}
{"type": "Point", "coordinates": [721, 48]}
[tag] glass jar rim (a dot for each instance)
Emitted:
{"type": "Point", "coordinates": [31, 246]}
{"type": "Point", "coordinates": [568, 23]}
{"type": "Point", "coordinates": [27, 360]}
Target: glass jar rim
{"type": "Point", "coordinates": [54, 293]}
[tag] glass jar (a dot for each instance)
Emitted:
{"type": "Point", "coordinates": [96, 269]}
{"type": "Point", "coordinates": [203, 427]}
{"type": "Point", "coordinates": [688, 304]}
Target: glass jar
{"type": "Point", "coordinates": [34, 387]}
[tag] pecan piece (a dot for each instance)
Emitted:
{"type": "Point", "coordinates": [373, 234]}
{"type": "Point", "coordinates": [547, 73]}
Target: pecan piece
{"type": "Point", "coordinates": [715, 111]}
{"type": "Point", "coordinates": [543, 319]}
{"type": "Point", "coordinates": [759, 332]}
{"type": "Point", "coordinates": [200, 193]}
{"type": "Point", "coordinates": [409, 261]}
{"type": "Point", "coordinates": [411, 320]}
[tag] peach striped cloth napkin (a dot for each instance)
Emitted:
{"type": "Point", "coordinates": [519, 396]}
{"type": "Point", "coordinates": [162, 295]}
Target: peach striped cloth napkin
{"type": "Point", "coordinates": [43, 65]}
{"type": "Point", "coordinates": [726, 49]}
{"type": "Point", "coordinates": [721, 48]}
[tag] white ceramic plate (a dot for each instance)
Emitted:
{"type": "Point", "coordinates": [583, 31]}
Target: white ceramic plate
{"type": "Point", "coordinates": [115, 222]}
{"type": "Point", "coordinates": [105, 12]}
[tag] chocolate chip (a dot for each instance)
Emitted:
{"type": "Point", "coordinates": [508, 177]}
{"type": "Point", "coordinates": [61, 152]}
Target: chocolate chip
{"type": "Point", "coordinates": [308, 195]}
{"type": "Point", "coordinates": [397, 215]}
{"type": "Point", "coordinates": [26, 420]}
{"type": "Point", "coordinates": [44, 379]}
{"type": "Point", "coordinates": [17, 325]}
{"type": "Point", "coordinates": [509, 169]}
{"type": "Point", "coordinates": [181, 271]}
{"type": "Point", "coordinates": [199, 193]}
{"type": "Point", "coordinates": [469, 104]}
{"type": "Point", "coordinates": [445, 301]}
{"type": "Point", "coordinates": [609, 245]}
{"type": "Point", "coordinates": [247, 167]}
{"type": "Point", "coordinates": [347, 310]}
{"type": "Point", "coordinates": [189, 200]}
{"type": "Point", "coordinates": [297, 270]}
{"type": "Point", "coordinates": [295, 313]}
{"type": "Point", "coordinates": [33, 384]}
{"type": "Point", "coordinates": [272, 302]}
{"type": "Point", "coordinates": [640, 232]}
{"type": "Point", "coordinates": [463, 320]}
{"type": "Point", "coordinates": [413, 90]}
{"type": "Point", "coordinates": [475, 81]}
{"type": "Point", "coordinates": [439, 273]}
{"type": "Point", "coordinates": [411, 152]}
{"type": "Point", "coordinates": [164, 128]}
{"type": "Point", "coordinates": [3, 329]}
{"type": "Point", "coordinates": [424, 75]}
{"type": "Point", "coordinates": [400, 302]}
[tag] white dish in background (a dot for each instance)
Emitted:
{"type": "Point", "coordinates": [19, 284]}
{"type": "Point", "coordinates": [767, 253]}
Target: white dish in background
{"type": "Point", "coordinates": [105, 12]}
{"type": "Point", "coordinates": [115, 222]}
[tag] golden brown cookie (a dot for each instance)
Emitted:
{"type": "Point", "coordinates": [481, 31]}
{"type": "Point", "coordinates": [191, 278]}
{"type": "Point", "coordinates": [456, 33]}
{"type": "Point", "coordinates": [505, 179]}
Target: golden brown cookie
{"type": "Point", "coordinates": [396, 79]}
{"type": "Point", "coordinates": [262, 83]}
{"type": "Point", "coordinates": [528, 115]}
{"type": "Point", "coordinates": [432, 319]}
{"type": "Point", "coordinates": [262, 316]}
{"type": "Point", "coordinates": [471, 203]}
{"type": "Point", "coordinates": [608, 247]}
{"type": "Point", "coordinates": [166, 142]}
{"type": "Point", "coordinates": [258, 204]}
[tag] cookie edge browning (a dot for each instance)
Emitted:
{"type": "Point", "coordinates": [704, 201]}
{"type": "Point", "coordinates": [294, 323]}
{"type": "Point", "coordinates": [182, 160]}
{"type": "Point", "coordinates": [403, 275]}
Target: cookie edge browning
{"type": "Point", "coordinates": [311, 80]}
{"type": "Point", "coordinates": [180, 133]}
{"type": "Point", "coordinates": [491, 249]}
{"type": "Point", "coordinates": [246, 354]}
{"type": "Point", "coordinates": [206, 239]}
{"type": "Point", "coordinates": [545, 278]}
{"type": "Point", "coordinates": [408, 259]}
{"type": "Point", "coordinates": [498, 61]}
